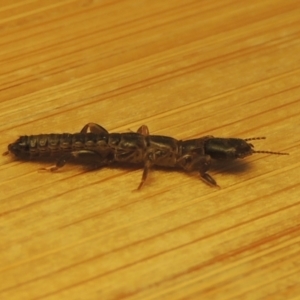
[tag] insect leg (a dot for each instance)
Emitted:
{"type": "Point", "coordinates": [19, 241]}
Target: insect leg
{"type": "Point", "coordinates": [147, 167]}
{"type": "Point", "coordinates": [201, 163]}
{"type": "Point", "coordinates": [144, 130]}
{"type": "Point", "coordinates": [155, 156]}
{"type": "Point", "coordinates": [67, 156]}
{"type": "Point", "coordinates": [149, 161]}
{"type": "Point", "coordinates": [94, 128]}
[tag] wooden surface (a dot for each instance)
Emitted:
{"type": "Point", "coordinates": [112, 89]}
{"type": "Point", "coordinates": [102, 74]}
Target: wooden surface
{"type": "Point", "coordinates": [186, 69]}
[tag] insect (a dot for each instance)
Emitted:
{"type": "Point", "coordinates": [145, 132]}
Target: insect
{"type": "Point", "coordinates": [136, 148]}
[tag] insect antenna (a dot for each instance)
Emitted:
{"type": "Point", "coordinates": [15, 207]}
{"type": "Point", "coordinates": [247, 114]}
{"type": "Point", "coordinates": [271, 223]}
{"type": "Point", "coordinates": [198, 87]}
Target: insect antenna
{"type": "Point", "coordinates": [263, 151]}
{"type": "Point", "coordinates": [255, 138]}
{"type": "Point", "coordinates": [270, 152]}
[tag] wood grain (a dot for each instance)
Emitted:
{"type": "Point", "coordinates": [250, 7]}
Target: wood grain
{"type": "Point", "coordinates": [186, 69]}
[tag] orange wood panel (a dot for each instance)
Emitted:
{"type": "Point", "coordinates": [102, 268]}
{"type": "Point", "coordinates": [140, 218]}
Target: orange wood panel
{"type": "Point", "coordinates": [186, 69]}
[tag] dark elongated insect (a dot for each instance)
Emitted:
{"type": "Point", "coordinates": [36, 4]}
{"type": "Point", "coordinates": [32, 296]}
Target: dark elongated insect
{"type": "Point", "coordinates": [134, 147]}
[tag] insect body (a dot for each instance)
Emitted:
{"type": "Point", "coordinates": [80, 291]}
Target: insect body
{"type": "Point", "coordinates": [134, 147]}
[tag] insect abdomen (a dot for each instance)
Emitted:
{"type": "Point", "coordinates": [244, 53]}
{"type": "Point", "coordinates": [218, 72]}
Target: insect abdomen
{"type": "Point", "coordinates": [54, 144]}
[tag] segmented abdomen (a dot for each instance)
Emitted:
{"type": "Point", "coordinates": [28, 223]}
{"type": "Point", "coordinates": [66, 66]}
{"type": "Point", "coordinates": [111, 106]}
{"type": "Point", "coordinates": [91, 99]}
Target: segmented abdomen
{"type": "Point", "coordinates": [56, 144]}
